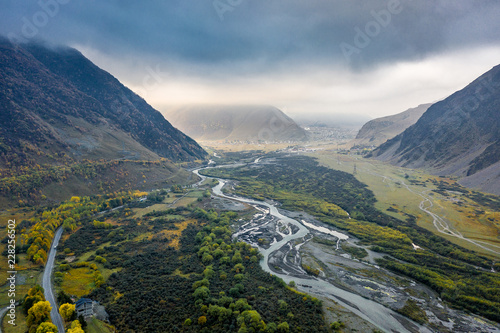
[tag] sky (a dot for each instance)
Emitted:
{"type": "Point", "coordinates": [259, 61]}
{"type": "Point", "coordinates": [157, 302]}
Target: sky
{"type": "Point", "coordinates": [331, 57]}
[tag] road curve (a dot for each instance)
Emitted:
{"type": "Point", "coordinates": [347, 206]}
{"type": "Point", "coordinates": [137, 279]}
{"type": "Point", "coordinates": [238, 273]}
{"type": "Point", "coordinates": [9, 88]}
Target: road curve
{"type": "Point", "coordinates": [2, 314]}
{"type": "Point", "coordinates": [47, 282]}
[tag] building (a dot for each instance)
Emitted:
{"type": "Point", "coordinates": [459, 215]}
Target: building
{"type": "Point", "coordinates": [84, 307]}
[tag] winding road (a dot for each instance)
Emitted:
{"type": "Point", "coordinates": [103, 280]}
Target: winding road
{"type": "Point", "coordinates": [441, 225]}
{"type": "Point", "coordinates": [47, 282]}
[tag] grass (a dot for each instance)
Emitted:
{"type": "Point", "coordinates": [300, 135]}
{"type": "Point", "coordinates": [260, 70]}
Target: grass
{"type": "Point", "coordinates": [140, 212]}
{"type": "Point", "coordinates": [20, 321]}
{"type": "Point", "coordinates": [97, 326]}
{"type": "Point", "coordinates": [12, 214]}
{"type": "Point", "coordinates": [413, 311]}
{"type": "Point", "coordinates": [227, 147]}
{"type": "Point", "coordinates": [185, 201]}
{"type": "Point", "coordinates": [78, 281]}
{"type": "Point", "coordinates": [30, 277]}
{"type": "Point", "coordinates": [175, 235]}
{"type": "Point", "coordinates": [386, 182]}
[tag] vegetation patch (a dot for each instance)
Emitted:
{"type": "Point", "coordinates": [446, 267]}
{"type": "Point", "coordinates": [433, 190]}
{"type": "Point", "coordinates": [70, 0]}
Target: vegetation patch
{"type": "Point", "coordinates": [413, 311]}
{"type": "Point", "coordinates": [78, 281]}
{"type": "Point", "coordinates": [447, 268]}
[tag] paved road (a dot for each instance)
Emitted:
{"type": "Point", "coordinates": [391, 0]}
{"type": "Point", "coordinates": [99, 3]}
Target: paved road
{"type": "Point", "coordinates": [2, 313]}
{"type": "Point", "coordinates": [47, 283]}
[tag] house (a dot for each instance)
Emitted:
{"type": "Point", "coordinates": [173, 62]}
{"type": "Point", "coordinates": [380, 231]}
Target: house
{"type": "Point", "coordinates": [88, 308]}
{"type": "Point", "coordinates": [84, 307]}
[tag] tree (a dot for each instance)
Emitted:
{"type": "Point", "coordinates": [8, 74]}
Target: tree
{"type": "Point", "coordinates": [202, 320]}
{"type": "Point", "coordinates": [337, 326]}
{"type": "Point", "coordinates": [75, 327]}
{"type": "Point", "coordinates": [35, 295]}
{"type": "Point", "coordinates": [67, 311]}
{"type": "Point", "coordinates": [252, 319]}
{"type": "Point", "coordinates": [38, 313]}
{"type": "Point", "coordinates": [47, 327]}
{"type": "Point", "coordinates": [62, 297]}
{"type": "Point", "coordinates": [82, 321]}
{"type": "Point", "coordinates": [283, 327]}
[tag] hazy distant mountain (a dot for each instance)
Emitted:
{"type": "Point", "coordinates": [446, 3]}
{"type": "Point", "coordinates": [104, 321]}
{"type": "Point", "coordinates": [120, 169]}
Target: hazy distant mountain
{"type": "Point", "coordinates": [378, 131]}
{"type": "Point", "coordinates": [458, 136]}
{"type": "Point", "coordinates": [235, 123]}
{"type": "Point", "coordinates": [54, 101]}
{"type": "Point", "coordinates": [331, 120]}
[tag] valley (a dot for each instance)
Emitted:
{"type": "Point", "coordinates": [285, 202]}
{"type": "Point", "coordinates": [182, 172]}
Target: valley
{"type": "Point", "coordinates": [401, 191]}
{"type": "Point", "coordinates": [234, 217]}
{"type": "Point", "coordinates": [337, 266]}
{"type": "Point", "coordinates": [324, 249]}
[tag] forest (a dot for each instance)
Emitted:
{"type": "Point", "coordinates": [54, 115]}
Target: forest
{"type": "Point", "coordinates": [23, 185]}
{"type": "Point", "coordinates": [460, 276]}
{"type": "Point", "coordinates": [207, 283]}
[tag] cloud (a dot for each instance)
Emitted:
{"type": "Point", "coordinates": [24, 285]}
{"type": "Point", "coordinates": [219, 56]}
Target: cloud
{"type": "Point", "coordinates": [316, 53]}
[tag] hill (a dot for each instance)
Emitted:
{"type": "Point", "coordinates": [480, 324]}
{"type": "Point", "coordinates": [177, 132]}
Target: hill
{"type": "Point", "coordinates": [377, 131]}
{"type": "Point", "coordinates": [61, 114]}
{"type": "Point", "coordinates": [458, 136]}
{"type": "Point", "coordinates": [235, 123]}
{"type": "Point", "coordinates": [64, 101]}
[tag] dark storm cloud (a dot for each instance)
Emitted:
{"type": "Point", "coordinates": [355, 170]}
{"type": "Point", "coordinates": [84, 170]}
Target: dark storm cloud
{"type": "Point", "coordinates": [359, 33]}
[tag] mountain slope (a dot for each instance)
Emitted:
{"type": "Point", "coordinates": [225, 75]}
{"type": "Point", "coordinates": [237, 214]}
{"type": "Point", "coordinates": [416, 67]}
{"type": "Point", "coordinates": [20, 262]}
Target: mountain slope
{"type": "Point", "coordinates": [378, 131]}
{"type": "Point", "coordinates": [235, 123]}
{"type": "Point", "coordinates": [57, 101]}
{"type": "Point", "coordinates": [69, 128]}
{"type": "Point", "coordinates": [458, 136]}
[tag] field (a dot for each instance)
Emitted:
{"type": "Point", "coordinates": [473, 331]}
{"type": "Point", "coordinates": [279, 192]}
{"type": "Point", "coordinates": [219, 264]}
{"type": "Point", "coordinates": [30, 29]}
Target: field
{"type": "Point", "coordinates": [211, 146]}
{"type": "Point", "coordinates": [20, 326]}
{"type": "Point", "coordinates": [401, 191]}
{"type": "Point", "coordinates": [97, 326]}
{"type": "Point", "coordinates": [78, 281]}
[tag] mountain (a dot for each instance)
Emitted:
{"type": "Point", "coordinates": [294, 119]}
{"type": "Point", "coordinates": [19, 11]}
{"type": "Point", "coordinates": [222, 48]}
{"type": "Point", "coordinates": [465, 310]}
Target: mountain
{"type": "Point", "coordinates": [68, 128]}
{"type": "Point", "coordinates": [335, 119]}
{"type": "Point", "coordinates": [378, 131]}
{"type": "Point", "coordinates": [235, 123]}
{"type": "Point", "coordinates": [458, 136]}
{"type": "Point", "coordinates": [57, 101]}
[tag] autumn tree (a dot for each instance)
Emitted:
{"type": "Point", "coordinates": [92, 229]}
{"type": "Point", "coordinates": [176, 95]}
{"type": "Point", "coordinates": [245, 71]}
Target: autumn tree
{"type": "Point", "coordinates": [46, 327]}
{"type": "Point", "coordinates": [35, 295]}
{"type": "Point", "coordinates": [75, 327]}
{"type": "Point", "coordinates": [39, 313]}
{"type": "Point", "coordinates": [67, 311]}
{"type": "Point", "coordinates": [202, 320]}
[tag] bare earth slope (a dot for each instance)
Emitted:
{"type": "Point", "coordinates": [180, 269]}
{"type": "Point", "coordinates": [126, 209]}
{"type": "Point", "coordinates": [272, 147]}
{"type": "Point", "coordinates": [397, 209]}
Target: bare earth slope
{"type": "Point", "coordinates": [235, 123]}
{"type": "Point", "coordinates": [458, 136]}
{"type": "Point", "coordinates": [377, 131]}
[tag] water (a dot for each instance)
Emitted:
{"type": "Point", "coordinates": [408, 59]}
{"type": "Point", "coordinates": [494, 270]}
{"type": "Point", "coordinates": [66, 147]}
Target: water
{"type": "Point", "coordinates": [371, 311]}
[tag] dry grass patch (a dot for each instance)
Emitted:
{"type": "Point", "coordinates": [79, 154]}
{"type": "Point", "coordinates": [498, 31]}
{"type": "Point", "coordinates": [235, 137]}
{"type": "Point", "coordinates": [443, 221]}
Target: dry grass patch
{"type": "Point", "coordinates": [78, 281]}
{"type": "Point", "coordinates": [175, 235]}
{"type": "Point", "coordinates": [140, 212]}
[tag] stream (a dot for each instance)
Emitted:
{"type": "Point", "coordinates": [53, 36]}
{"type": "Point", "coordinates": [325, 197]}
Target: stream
{"type": "Point", "coordinates": [373, 312]}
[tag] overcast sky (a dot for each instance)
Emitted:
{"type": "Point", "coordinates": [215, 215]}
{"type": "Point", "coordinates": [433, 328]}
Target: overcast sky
{"type": "Point", "coordinates": [371, 57]}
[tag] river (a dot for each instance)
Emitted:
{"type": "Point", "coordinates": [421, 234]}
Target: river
{"type": "Point", "coordinates": [371, 311]}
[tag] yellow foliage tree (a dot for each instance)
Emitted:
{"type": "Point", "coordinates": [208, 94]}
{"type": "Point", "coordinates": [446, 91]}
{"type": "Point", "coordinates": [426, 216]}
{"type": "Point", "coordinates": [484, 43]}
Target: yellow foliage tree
{"type": "Point", "coordinates": [38, 313]}
{"type": "Point", "coordinates": [47, 327]}
{"type": "Point", "coordinates": [67, 310]}
{"type": "Point", "coordinates": [75, 327]}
